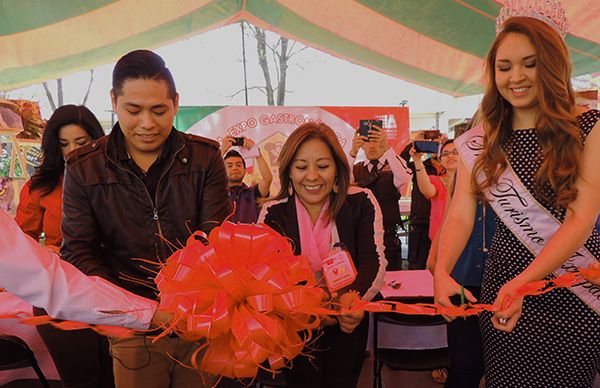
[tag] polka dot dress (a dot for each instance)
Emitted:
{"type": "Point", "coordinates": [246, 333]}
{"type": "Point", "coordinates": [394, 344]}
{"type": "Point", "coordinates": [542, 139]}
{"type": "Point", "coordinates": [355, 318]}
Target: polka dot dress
{"type": "Point", "coordinates": [556, 342]}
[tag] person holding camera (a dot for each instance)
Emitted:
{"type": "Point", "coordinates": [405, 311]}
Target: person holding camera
{"type": "Point", "coordinates": [419, 243]}
{"type": "Point", "coordinates": [245, 197]}
{"type": "Point", "coordinates": [386, 175]}
{"type": "Point", "coordinates": [435, 187]}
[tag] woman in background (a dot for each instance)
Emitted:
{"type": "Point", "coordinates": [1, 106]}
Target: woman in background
{"type": "Point", "coordinates": [81, 357]}
{"type": "Point", "coordinates": [435, 187]}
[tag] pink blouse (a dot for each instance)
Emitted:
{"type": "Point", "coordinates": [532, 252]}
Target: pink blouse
{"type": "Point", "coordinates": [438, 206]}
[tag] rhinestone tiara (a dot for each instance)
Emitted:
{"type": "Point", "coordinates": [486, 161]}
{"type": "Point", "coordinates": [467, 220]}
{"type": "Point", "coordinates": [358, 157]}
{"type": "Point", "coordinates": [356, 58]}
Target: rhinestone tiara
{"type": "Point", "coordinates": [550, 12]}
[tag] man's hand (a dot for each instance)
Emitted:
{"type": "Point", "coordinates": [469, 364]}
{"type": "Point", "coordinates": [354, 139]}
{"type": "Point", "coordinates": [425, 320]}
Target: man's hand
{"type": "Point", "coordinates": [357, 142]}
{"type": "Point", "coordinates": [378, 136]}
{"type": "Point", "coordinates": [160, 319]}
{"type": "Point", "coordinates": [248, 143]}
{"type": "Point", "coordinates": [226, 145]}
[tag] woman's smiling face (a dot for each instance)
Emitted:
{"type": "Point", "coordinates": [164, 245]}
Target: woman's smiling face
{"type": "Point", "coordinates": [313, 173]}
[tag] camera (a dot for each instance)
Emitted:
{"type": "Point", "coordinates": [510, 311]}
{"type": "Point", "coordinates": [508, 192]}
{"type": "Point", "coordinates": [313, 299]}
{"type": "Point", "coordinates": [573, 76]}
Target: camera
{"type": "Point", "coordinates": [426, 147]}
{"type": "Point", "coordinates": [366, 125]}
{"type": "Point", "coordinates": [238, 141]}
{"type": "Point", "coordinates": [431, 134]}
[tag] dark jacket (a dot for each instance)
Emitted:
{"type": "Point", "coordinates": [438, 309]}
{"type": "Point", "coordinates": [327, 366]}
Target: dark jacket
{"type": "Point", "coordinates": [359, 228]}
{"type": "Point", "coordinates": [110, 219]}
{"type": "Point", "coordinates": [381, 184]}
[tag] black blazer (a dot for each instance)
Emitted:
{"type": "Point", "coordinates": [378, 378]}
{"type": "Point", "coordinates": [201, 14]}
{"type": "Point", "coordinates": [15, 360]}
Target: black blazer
{"type": "Point", "coordinates": [360, 228]}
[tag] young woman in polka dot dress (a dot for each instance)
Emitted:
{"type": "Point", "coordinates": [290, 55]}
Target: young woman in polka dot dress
{"type": "Point", "coordinates": [551, 340]}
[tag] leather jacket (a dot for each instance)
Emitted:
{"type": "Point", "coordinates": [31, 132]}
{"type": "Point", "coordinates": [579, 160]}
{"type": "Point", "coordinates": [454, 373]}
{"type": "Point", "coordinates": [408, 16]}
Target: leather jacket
{"type": "Point", "coordinates": [110, 220]}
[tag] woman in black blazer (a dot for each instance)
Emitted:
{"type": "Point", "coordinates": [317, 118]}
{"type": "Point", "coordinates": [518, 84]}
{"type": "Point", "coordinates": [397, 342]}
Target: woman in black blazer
{"type": "Point", "coordinates": [315, 190]}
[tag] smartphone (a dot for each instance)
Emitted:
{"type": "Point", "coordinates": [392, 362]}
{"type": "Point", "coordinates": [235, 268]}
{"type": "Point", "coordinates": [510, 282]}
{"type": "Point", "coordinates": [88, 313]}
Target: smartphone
{"type": "Point", "coordinates": [365, 125]}
{"type": "Point", "coordinates": [431, 134]}
{"type": "Point", "coordinates": [427, 147]}
{"type": "Point", "coordinates": [238, 141]}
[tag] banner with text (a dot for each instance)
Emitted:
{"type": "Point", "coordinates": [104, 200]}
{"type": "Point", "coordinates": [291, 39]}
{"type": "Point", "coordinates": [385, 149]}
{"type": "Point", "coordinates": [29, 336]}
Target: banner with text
{"type": "Point", "coordinates": [269, 126]}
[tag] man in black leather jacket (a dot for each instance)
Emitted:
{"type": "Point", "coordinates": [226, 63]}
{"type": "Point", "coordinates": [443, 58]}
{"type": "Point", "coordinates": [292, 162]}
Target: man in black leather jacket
{"type": "Point", "coordinates": [136, 194]}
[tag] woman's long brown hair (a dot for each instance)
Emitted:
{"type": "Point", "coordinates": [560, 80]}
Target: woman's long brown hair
{"type": "Point", "coordinates": [558, 132]}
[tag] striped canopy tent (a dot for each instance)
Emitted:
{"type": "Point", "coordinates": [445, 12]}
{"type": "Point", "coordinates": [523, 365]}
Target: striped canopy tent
{"type": "Point", "coordinates": [439, 44]}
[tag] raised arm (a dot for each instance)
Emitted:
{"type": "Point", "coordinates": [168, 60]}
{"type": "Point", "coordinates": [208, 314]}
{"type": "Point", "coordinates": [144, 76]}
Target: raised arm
{"type": "Point", "coordinates": [264, 185]}
{"type": "Point", "coordinates": [43, 279]}
{"type": "Point", "coordinates": [423, 182]}
{"type": "Point", "coordinates": [402, 173]}
{"type": "Point", "coordinates": [453, 237]}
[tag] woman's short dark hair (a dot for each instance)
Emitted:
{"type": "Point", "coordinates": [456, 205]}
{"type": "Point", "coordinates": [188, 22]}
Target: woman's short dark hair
{"type": "Point", "coordinates": [308, 131]}
{"type": "Point", "coordinates": [48, 174]}
{"type": "Point", "coordinates": [142, 64]}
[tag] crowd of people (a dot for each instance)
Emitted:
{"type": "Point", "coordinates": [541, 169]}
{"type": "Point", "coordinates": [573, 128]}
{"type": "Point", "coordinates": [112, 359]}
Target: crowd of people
{"type": "Point", "coordinates": [512, 201]}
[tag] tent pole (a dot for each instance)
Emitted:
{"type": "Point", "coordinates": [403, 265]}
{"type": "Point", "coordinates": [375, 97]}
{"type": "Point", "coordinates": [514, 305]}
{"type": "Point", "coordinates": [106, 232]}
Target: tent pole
{"type": "Point", "coordinates": [244, 62]}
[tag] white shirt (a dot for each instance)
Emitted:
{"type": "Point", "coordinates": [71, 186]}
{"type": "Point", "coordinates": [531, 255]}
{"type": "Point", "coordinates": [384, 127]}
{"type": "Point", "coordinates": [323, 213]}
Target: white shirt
{"type": "Point", "coordinates": [40, 277]}
{"type": "Point", "coordinates": [402, 174]}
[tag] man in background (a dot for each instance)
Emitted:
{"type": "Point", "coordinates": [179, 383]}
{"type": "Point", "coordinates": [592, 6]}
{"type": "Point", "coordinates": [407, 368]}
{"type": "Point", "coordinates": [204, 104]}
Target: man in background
{"type": "Point", "coordinates": [243, 196]}
{"type": "Point", "coordinates": [387, 176]}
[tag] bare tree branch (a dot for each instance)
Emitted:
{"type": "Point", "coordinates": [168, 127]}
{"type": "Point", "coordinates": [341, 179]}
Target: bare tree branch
{"type": "Point", "coordinates": [262, 61]}
{"type": "Point", "coordinates": [297, 51]}
{"type": "Point", "coordinates": [59, 91]}
{"type": "Point", "coordinates": [280, 53]}
{"type": "Point", "coordinates": [87, 93]}
{"type": "Point", "coordinates": [283, 71]}
{"type": "Point", "coordinates": [259, 88]}
{"type": "Point", "coordinates": [49, 95]}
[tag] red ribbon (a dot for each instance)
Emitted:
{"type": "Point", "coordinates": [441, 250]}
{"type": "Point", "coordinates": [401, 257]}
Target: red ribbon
{"type": "Point", "coordinates": [249, 297]}
{"type": "Point", "coordinates": [246, 294]}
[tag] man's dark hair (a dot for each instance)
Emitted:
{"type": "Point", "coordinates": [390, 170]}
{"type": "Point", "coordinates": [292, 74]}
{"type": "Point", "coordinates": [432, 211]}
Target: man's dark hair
{"type": "Point", "coordinates": [142, 64]}
{"type": "Point", "coordinates": [234, 154]}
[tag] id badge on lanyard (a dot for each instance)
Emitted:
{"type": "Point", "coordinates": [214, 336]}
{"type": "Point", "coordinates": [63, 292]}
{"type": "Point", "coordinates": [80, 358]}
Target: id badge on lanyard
{"type": "Point", "coordinates": [338, 268]}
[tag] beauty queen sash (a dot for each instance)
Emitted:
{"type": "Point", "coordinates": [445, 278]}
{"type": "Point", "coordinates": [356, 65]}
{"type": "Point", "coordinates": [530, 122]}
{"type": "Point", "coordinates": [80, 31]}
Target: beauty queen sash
{"type": "Point", "coordinates": [527, 219]}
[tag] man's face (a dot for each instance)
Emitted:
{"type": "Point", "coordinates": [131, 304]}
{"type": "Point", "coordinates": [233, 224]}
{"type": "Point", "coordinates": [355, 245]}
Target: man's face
{"type": "Point", "coordinates": [235, 170]}
{"type": "Point", "coordinates": [373, 150]}
{"type": "Point", "coordinates": [145, 114]}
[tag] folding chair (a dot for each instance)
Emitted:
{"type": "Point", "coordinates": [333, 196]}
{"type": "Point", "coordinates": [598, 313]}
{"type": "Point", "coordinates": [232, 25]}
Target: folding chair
{"type": "Point", "coordinates": [15, 354]}
{"type": "Point", "coordinates": [407, 359]}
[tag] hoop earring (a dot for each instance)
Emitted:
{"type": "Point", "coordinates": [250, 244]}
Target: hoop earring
{"type": "Point", "coordinates": [290, 189]}
{"type": "Point", "coordinates": [335, 187]}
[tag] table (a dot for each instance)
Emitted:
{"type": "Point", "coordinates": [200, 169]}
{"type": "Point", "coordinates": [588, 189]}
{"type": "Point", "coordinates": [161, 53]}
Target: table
{"type": "Point", "coordinates": [11, 304]}
{"type": "Point", "coordinates": [413, 283]}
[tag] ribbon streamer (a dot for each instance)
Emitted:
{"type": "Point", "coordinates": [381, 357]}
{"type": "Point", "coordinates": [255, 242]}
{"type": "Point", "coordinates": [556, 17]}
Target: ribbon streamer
{"type": "Point", "coordinates": [250, 303]}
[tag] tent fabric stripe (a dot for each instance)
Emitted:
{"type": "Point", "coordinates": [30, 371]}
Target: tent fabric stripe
{"type": "Point", "coordinates": [297, 29]}
{"type": "Point", "coordinates": [114, 21]}
{"type": "Point", "coordinates": [385, 37]}
{"type": "Point", "coordinates": [436, 43]}
{"type": "Point", "coordinates": [211, 16]}
{"type": "Point", "coordinates": [23, 15]}
{"type": "Point", "coordinates": [453, 22]}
